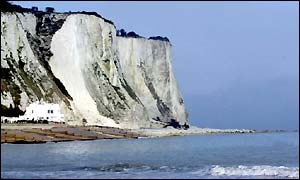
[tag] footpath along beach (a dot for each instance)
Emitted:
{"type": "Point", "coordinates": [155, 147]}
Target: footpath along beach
{"type": "Point", "coordinates": [42, 133]}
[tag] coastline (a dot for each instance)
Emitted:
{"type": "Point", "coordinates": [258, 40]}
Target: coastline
{"type": "Point", "coordinates": [193, 130]}
{"type": "Point", "coordinates": [42, 133]}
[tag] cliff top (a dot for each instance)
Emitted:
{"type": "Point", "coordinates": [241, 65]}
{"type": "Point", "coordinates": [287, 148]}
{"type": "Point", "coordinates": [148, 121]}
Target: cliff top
{"type": "Point", "coordinates": [122, 33]}
{"type": "Point", "coordinates": [8, 7]}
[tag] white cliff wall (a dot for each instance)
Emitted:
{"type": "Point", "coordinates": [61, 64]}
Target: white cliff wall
{"type": "Point", "coordinates": [93, 74]}
{"type": "Point", "coordinates": [85, 60]}
{"type": "Point", "coordinates": [147, 66]}
{"type": "Point", "coordinates": [23, 79]}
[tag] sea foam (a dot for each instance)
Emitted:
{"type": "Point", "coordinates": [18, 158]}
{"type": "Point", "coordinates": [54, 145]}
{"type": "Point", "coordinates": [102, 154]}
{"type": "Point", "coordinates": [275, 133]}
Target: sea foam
{"type": "Point", "coordinates": [262, 170]}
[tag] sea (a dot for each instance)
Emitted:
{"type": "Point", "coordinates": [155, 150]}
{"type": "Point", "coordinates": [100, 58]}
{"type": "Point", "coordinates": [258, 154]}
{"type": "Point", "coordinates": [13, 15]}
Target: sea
{"type": "Point", "coordinates": [230, 156]}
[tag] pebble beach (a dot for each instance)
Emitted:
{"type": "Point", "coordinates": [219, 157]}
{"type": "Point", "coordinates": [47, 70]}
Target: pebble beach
{"type": "Point", "coordinates": [42, 133]}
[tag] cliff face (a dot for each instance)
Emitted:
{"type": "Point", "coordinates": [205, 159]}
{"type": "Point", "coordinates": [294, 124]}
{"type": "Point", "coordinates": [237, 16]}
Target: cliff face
{"type": "Point", "coordinates": [77, 61]}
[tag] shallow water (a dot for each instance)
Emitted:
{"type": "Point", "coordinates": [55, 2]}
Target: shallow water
{"type": "Point", "coordinates": [265, 155]}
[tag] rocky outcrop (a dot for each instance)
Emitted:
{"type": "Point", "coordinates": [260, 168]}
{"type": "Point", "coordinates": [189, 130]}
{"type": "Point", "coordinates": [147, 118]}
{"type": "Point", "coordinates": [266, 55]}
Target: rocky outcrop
{"type": "Point", "coordinates": [77, 61]}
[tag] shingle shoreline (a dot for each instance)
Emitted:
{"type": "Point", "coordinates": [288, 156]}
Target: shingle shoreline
{"type": "Point", "coordinates": [42, 134]}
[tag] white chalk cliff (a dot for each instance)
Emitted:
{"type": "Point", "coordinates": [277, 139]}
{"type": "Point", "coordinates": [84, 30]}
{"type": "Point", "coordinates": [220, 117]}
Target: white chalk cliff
{"type": "Point", "coordinates": [77, 61]}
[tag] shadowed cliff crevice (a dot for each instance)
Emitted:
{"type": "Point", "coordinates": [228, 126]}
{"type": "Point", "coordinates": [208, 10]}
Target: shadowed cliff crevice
{"type": "Point", "coordinates": [8, 85]}
{"type": "Point", "coordinates": [47, 25]}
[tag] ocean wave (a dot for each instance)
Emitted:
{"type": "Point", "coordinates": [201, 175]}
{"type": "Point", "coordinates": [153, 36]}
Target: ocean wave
{"type": "Point", "coordinates": [126, 167]}
{"type": "Point", "coordinates": [118, 170]}
{"type": "Point", "coordinates": [131, 170]}
{"type": "Point", "coordinates": [263, 170]}
{"type": "Point", "coordinates": [215, 170]}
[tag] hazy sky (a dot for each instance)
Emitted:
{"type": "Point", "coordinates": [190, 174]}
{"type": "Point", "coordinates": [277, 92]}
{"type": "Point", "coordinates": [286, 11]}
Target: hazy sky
{"type": "Point", "coordinates": [236, 63]}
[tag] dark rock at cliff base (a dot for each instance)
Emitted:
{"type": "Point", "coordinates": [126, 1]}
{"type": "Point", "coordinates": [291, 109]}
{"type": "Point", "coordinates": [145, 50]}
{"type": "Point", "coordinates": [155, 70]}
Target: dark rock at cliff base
{"type": "Point", "coordinates": [175, 124]}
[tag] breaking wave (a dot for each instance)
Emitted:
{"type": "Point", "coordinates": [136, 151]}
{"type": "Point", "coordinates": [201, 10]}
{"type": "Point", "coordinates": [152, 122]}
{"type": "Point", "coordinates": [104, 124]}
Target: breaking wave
{"type": "Point", "coordinates": [132, 170]}
{"type": "Point", "coordinates": [264, 170]}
